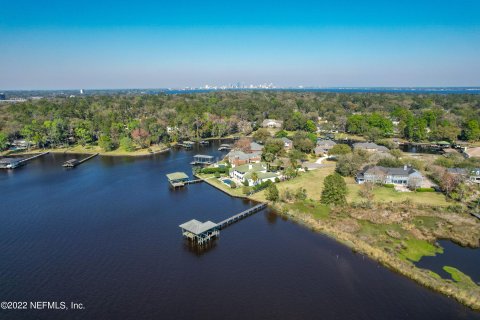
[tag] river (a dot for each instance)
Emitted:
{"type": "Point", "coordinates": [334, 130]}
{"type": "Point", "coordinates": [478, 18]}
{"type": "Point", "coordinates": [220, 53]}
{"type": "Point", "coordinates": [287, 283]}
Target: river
{"type": "Point", "coordinates": [105, 234]}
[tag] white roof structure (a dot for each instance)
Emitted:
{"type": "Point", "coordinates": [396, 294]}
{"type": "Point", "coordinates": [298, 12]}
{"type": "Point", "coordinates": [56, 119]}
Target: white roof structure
{"type": "Point", "coordinates": [196, 227]}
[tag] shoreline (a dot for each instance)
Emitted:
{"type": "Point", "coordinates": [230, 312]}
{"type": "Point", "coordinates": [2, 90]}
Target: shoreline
{"type": "Point", "coordinates": [423, 277]}
{"type": "Point", "coordinates": [138, 153]}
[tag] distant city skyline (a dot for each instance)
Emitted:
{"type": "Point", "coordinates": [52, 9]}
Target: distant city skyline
{"type": "Point", "coordinates": [117, 44]}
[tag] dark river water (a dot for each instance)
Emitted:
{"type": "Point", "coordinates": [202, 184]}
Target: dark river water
{"type": "Point", "coordinates": [106, 235]}
{"type": "Point", "coordinates": [465, 259]}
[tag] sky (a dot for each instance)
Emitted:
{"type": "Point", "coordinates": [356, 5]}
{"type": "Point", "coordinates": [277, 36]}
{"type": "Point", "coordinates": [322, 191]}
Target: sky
{"type": "Point", "coordinates": [175, 44]}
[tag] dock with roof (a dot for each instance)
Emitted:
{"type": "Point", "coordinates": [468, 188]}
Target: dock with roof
{"type": "Point", "coordinates": [202, 159]}
{"type": "Point", "coordinates": [202, 232]}
{"type": "Point", "coordinates": [180, 179]}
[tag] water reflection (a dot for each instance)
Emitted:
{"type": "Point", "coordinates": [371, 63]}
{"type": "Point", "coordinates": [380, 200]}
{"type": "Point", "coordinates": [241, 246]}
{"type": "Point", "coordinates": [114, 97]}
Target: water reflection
{"type": "Point", "coordinates": [197, 249]}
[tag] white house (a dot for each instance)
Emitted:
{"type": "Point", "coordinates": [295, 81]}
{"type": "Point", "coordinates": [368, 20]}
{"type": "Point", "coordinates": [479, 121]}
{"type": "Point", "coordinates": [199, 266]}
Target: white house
{"type": "Point", "coordinates": [247, 173]}
{"type": "Point", "coordinates": [272, 123]}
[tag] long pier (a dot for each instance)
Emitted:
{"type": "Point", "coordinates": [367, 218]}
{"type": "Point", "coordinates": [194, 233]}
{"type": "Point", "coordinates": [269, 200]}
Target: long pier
{"type": "Point", "coordinates": [74, 162]}
{"type": "Point", "coordinates": [225, 223]}
{"type": "Point", "coordinates": [33, 157]}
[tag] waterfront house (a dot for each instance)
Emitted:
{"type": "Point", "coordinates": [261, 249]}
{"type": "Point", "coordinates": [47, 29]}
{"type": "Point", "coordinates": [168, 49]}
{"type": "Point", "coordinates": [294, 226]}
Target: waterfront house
{"type": "Point", "coordinates": [404, 176]}
{"type": "Point", "coordinates": [472, 175]}
{"type": "Point", "coordinates": [239, 157]}
{"type": "Point", "coordinates": [287, 143]}
{"type": "Point", "coordinates": [246, 173]}
{"type": "Point", "coordinates": [369, 147]}
{"type": "Point", "coordinates": [324, 146]}
{"type": "Point", "coordinates": [272, 123]}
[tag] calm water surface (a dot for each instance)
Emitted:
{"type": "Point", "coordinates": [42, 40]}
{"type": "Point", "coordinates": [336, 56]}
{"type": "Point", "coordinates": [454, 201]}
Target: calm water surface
{"type": "Point", "coordinates": [465, 259]}
{"type": "Point", "coordinates": [106, 234]}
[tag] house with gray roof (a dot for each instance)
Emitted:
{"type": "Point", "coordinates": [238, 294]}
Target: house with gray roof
{"type": "Point", "coordinates": [255, 147]}
{"type": "Point", "coordinates": [323, 146]}
{"type": "Point", "coordinates": [369, 146]}
{"type": "Point", "coordinates": [239, 157]}
{"type": "Point", "coordinates": [404, 176]}
{"type": "Point", "coordinates": [472, 175]}
{"type": "Point", "coordinates": [287, 143]}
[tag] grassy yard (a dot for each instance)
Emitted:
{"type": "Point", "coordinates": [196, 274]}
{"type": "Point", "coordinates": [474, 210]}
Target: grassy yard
{"type": "Point", "coordinates": [382, 194]}
{"type": "Point", "coordinates": [317, 210]}
{"type": "Point", "coordinates": [312, 181]}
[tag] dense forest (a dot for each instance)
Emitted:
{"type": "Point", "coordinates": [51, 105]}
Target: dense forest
{"type": "Point", "coordinates": [121, 121]}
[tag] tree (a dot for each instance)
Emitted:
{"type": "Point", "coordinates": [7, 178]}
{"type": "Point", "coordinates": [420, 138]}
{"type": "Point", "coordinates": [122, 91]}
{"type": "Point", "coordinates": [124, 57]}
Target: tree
{"type": "Point", "coordinates": [310, 126]}
{"type": "Point", "coordinates": [105, 143]}
{"type": "Point", "coordinates": [281, 134]}
{"type": "Point", "coordinates": [301, 194]}
{"type": "Point", "coordinates": [472, 130]}
{"type": "Point", "coordinates": [3, 141]}
{"type": "Point", "coordinates": [340, 149]}
{"type": "Point", "coordinates": [334, 190]}
{"type": "Point", "coordinates": [448, 182]}
{"type": "Point", "coordinates": [348, 165]}
{"type": "Point", "coordinates": [243, 144]}
{"type": "Point", "coordinates": [141, 136]}
{"type": "Point", "coordinates": [268, 158]}
{"type": "Point", "coordinates": [254, 178]}
{"type": "Point", "coordinates": [272, 193]}
{"type": "Point", "coordinates": [274, 146]}
{"type": "Point", "coordinates": [366, 192]}
{"type": "Point", "coordinates": [83, 136]}
{"type": "Point", "coordinates": [127, 144]}
{"type": "Point", "coordinates": [261, 135]}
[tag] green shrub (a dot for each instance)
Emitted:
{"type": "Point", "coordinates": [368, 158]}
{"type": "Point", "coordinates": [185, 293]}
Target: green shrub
{"type": "Point", "coordinates": [389, 185]}
{"type": "Point", "coordinates": [217, 174]}
{"type": "Point", "coordinates": [233, 185]}
{"type": "Point", "coordinates": [425, 190]}
{"type": "Point", "coordinates": [215, 170]}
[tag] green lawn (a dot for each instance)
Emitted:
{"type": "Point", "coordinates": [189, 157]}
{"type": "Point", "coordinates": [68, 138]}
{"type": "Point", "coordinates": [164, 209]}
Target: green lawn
{"type": "Point", "coordinates": [459, 276]}
{"type": "Point", "coordinates": [415, 249]}
{"type": "Point", "coordinates": [311, 180]}
{"type": "Point", "coordinates": [382, 194]}
{"type": "Point", "coordinates": [317, 210]}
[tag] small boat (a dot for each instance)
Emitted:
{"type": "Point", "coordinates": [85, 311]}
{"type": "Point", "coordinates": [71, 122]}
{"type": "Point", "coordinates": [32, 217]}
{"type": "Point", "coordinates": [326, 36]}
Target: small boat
{"type": "Point", "coordinates": [204, 142]}
{"type": "Point", "coordinates": [225, 147]}
{"type": "Point", "coordinates": [70, 163]}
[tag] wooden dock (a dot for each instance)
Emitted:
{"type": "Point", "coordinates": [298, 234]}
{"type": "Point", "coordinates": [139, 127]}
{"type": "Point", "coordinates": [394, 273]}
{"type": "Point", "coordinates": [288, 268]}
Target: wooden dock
{"type": "Point", "coordinates": [180, 179]}
{"type": "Point", "coordinates": [201, 233]}
{"type": "Point", "coordinates": [33, 157]}
{"type": "Point", "coordinates": [225, 223]}
{"type": "Point", "coordinates": [12, 163]}
{"type": "Point", "coordinates": [74, 162]}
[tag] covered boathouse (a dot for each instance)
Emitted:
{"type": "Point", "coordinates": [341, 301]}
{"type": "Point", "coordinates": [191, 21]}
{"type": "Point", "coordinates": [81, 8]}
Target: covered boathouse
{"type": "Point", "coordinates": [202, 159]}
{"type": "Point", "coordinates": [177, 179]}
{"type": "Point", "coordinates": [200, 232]}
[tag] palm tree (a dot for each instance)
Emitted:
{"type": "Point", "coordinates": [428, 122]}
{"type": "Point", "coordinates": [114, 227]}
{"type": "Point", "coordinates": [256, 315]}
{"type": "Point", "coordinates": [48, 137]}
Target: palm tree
{"type": "Point", "coordinates": [254, 178]}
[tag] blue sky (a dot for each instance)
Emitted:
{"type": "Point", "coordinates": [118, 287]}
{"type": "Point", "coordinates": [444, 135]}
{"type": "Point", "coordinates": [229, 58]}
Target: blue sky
{"type": "Point", "coordinates": [152, 44]}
